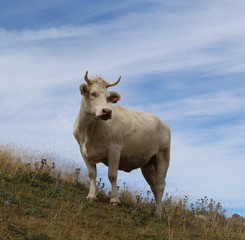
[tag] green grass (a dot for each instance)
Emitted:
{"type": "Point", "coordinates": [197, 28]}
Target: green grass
{"type": "Point", "coordinates": [39, 203]}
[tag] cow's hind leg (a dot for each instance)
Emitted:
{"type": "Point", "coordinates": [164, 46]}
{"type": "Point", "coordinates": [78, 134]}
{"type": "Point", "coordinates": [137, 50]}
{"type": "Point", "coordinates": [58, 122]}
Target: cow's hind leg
{"type": "Point", "coordinates": [161, 166]}
{"type": "Point", "coordinates": [149, 173]}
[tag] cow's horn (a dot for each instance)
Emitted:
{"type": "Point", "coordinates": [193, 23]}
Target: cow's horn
{"type": "Point", "coordinates": [86, 78]}
{"type": "Point", "coordinates": [113, 83]}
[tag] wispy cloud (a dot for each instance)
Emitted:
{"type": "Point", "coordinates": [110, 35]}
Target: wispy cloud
{"type": "Point", "coordinates": [210, 37]}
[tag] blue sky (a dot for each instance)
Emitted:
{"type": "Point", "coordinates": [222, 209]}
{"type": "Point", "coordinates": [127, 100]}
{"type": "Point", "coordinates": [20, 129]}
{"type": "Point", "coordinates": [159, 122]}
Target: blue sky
{"type": "Point", "coordinates": [185, 62]}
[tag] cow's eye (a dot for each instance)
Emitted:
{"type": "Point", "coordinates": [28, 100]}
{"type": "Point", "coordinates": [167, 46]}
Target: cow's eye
{"type": "Point", "coordinates": [93, 94]}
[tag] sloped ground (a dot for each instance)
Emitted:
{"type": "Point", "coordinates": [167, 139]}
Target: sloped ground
{"type": "Point", "coordinates": [37, 203]}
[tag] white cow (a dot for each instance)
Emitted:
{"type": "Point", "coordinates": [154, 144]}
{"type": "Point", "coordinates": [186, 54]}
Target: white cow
{"type": "Point", "coordinates": [120, 138]}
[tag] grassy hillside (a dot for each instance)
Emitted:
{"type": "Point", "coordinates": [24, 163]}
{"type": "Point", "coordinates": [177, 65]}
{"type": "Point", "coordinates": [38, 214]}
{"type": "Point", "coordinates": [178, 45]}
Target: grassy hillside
{"type": "Point", "coordinates": [38, 203]}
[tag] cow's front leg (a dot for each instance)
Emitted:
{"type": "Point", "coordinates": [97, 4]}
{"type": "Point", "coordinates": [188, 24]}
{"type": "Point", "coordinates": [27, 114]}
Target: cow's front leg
{"type": "Point", "coordinates": [113, 163]}
{"type": "Point", "coordinates": [92, 172]}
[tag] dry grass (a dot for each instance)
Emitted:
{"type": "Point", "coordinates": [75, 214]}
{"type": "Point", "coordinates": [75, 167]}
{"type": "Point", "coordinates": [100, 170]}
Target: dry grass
{"type": "Point", "coordinates": [39, 203]}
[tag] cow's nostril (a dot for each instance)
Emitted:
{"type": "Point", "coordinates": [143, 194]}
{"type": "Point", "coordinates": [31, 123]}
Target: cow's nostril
{"type": "Point", "coordinates": [106, 111]}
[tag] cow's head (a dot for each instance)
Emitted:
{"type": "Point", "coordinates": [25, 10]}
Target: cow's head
{"type": "Point", "coordinates": [97, 98]}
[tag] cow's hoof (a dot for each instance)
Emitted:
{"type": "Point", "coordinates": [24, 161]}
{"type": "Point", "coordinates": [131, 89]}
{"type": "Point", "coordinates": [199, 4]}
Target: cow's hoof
{"type": "Point", "coordinates": [159, 213]}
{"type": "Point", "coordinates": [91, 198]}
{"type": "Point", "coordinates": [115, 204]}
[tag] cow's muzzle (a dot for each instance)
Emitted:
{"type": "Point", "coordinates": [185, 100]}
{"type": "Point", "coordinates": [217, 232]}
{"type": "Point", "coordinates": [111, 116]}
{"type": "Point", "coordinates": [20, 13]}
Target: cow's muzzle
{"type": "Point", "coordinates": [106, 114]}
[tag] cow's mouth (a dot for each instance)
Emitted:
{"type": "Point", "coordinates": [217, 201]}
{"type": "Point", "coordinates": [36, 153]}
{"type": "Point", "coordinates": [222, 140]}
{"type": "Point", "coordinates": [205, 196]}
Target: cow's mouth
{"type": "Point", "coordinates": [105, 117]}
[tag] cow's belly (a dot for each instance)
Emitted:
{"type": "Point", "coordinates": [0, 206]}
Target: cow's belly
{"type": "Point", "coordinates": [133, 161]}
{"type": "Point", "coordinates": [127, 163]}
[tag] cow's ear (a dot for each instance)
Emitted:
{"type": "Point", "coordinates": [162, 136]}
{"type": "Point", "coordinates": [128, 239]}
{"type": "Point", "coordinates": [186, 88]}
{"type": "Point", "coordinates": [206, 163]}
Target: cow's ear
{"type": "Point", "coordinates": [84, 89]}
{"type": "Point", "coordinates": [114, 97]}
